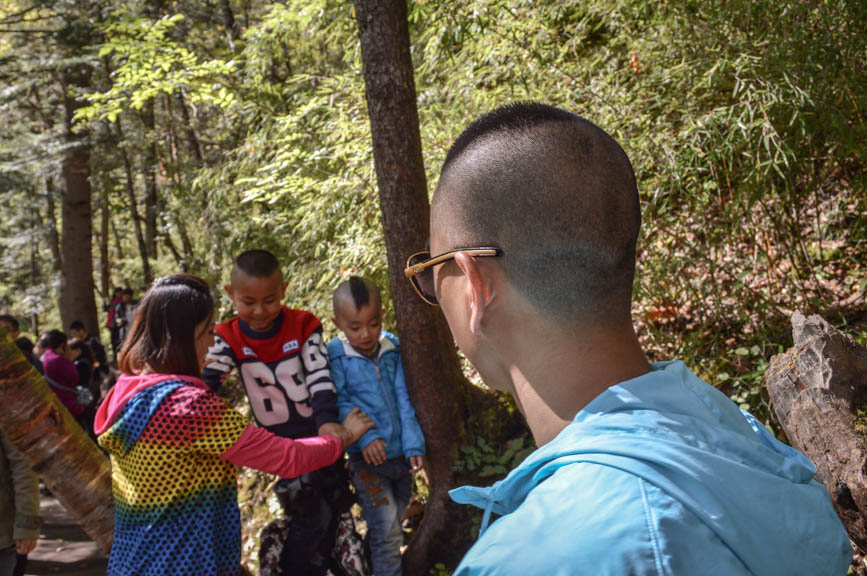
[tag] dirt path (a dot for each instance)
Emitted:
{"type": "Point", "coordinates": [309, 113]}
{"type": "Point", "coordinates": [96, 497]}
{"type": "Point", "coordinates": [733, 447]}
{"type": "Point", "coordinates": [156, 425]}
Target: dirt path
{"type": "Point", "coordinates": [63, 546]}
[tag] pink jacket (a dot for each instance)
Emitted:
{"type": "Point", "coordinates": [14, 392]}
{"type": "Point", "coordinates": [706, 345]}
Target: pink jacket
{"type": "Point", "coordinates": [255, 448]}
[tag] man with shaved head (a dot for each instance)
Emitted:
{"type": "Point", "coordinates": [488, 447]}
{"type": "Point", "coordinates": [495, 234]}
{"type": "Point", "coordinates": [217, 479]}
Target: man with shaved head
{"type": "Point", "coordinates": [641, 468]}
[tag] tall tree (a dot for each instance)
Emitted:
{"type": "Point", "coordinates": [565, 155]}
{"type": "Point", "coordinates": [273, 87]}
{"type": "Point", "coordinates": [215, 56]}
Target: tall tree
{"type": "Point", "coordinates": [150, 173]}
{"type": "Point", "coordinates": [433, 375]}
{"type": "Point", "coordinates": [76, 285]}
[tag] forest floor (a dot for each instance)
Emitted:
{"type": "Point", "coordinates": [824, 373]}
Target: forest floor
{"type": "Point", "coordinates": [63, 546]}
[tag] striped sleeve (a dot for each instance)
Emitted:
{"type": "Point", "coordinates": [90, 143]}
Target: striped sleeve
{"type": "Point", "coordinates": [317, 376]}
{"type": "Point", "coordinates": [221, 360]}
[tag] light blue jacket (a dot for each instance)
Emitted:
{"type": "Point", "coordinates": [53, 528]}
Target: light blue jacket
{"type": "Point", "coordinates": [379, 389]}
{"type": "Point", "coordinates": [661, 474]}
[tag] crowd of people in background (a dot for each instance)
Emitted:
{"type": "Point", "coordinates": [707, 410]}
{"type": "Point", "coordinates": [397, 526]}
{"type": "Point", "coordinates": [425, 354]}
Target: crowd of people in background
{"type": "Point", "coordinates": [75, 363]}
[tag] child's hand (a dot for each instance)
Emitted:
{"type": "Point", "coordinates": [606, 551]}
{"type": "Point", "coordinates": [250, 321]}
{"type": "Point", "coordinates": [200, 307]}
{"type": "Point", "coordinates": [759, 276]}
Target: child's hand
{"type": "Point", "coordinates": [374, 453]}
{"type": "Point", "coordinates": [356, 423]}
{"type": "Point", "coordinates": [336, 430]}
{"type": "Point", "coordinates": [416, 464]}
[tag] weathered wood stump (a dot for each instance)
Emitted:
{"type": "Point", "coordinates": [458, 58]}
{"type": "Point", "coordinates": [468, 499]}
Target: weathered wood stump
{"type": "Point", "coordinates": [817, 388]}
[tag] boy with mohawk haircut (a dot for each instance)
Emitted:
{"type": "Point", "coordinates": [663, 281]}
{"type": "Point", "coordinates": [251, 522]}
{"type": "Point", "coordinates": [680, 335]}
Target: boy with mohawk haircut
{"type": "Point", "coordinates": [368, 373]}
{"type": "Point", "coordinates": [283, 364]}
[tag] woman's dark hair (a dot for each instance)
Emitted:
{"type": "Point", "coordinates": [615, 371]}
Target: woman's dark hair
{"type": "Point", "coordinates": [86, 352]}
{"type": "Point", "coordinates": [163, 335]}
{"type": "Point", "coordinates": [52, 339]}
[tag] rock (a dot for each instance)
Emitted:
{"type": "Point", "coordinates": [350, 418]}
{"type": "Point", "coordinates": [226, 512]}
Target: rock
{"type": "Point", "coordinates": [817, 388]}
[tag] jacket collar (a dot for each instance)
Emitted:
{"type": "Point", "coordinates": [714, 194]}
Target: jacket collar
{"type": "Point", "coordinates": [385, 345]}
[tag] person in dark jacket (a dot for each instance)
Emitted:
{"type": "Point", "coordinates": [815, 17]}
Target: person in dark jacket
{"type": "Point", "coordinates": [100, 359]}
{"type": "Point", "coordinates": [26, 346]}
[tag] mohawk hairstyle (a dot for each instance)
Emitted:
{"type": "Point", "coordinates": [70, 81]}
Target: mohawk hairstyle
{"type": "Point", "coordinates": [257, 263]}
{"type": "Point", "coordinates": [360, 295]}
{"type": "Point", "coordinates": [359, 290]}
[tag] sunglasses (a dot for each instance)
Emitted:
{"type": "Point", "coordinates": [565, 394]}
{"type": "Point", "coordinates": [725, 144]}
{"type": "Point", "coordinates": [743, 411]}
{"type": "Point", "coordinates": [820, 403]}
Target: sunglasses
{"type": "Point", "coordinates": [419, 268]}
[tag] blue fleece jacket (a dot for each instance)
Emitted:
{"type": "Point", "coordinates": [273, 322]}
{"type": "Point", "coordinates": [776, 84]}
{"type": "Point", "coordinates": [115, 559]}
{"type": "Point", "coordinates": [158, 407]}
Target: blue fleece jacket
{"type": "Point", "coordinates": [377, 386]}
{"type": "Point", "coordinates": [658, 475]}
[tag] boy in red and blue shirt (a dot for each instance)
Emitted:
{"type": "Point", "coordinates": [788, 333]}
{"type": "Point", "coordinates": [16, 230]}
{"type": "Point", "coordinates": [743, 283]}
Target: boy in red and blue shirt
{"type": "Point", "coordinates": [283, 363]}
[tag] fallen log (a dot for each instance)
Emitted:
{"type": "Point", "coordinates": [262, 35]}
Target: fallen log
{"type": "Point", "coordinates": [66, 459]}
{"type": "Point", "coordinates": [818, 389]}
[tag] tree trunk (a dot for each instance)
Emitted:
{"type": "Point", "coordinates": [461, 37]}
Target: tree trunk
{"type": "Point", "coordinates": [173, 166]}
{"type": "Point", "coordinates": [229, 23]}
{"type": "Point", "coordinates": [193, 141]}
{"type": "Point", "coordinates": [56, 447]}
{"type": "Point", "coordinates": [434, 378]}
{"type": "Point", "coordinates": [76, 284]}
{"type": "Point", "coordinates": [150, 173]}
{"type": "Point", "coordinates": [133, 207]}
{"type": "Point", "coordinates": [118, 249]}
{"type": "Point", "coordinates": [35, 268]}
{"type": "Point", "coordinates": [104, 265]}
{"type": "Point", "coordinates": [818, 387]}
{"type": "Point", "coordinates": [53, 236]}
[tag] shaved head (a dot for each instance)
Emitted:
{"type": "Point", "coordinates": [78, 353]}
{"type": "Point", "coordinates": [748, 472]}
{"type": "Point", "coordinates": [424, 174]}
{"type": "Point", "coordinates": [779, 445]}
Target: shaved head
{"type": "Point", "coordinates": [357, 292]}
{"type": "Point", "coordinates": [558, 196]}
{"type": "Point", "coordinates": [256, 264]}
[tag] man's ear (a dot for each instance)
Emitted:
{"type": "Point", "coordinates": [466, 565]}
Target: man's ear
{"type": "Point", "coordinates": [480, 292]}
{"type": "Point", "coordinates": [228, 289]}
{"type": "Point", "coordinates": [283, 289]}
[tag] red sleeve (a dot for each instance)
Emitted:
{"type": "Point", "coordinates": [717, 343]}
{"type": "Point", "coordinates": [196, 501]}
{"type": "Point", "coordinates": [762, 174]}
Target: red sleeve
{"type": "Point", "coordinates": [257, 448]}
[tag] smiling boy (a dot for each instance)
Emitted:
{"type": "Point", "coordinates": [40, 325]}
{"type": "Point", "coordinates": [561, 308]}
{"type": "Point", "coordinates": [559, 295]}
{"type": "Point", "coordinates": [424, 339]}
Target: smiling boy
{"type": "Point", "coordinates": [283, 363]}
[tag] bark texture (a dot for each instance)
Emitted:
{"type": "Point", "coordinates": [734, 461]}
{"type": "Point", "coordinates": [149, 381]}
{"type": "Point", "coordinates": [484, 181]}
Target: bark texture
{"type": "Point", "coordinates": [433, 376]}
{"type": "Point", "coordinates": [150, 174]}
{"type": "Point", "coordinates": [76, 286]}
{"type": "Point", "coordinates": [66, 459]}
{"type": "Point", "coordinates": [129, 187]}
{"type": "Point", "coordinates": [817, 388]}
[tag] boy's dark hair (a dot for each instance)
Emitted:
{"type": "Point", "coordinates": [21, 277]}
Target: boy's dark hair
{"type": "Point", "coordinates": [25, 345]}
{"type": "Point", "coordinates": [558, 196]}
{"type": "Point", "coordinates": [77, 325]}
{"type": "Point", "coordinates": [117, 290]}
{"type": "Point", "coordinates": [11, 319]}
{"type": "Point", "coordinates": [163, 334]}
{"type": "Point", "coordinates": [358, 289]}
{"type": "Point", "coordinates": [256, 263]}
{"type": "Point", "coordinates": [126, 291]}
{"type": "Point", "coordinates": [52, 339]}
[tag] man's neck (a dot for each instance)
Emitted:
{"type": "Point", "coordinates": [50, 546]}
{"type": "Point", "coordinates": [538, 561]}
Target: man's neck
{"type": "Point", "coordinates": [551, 387]}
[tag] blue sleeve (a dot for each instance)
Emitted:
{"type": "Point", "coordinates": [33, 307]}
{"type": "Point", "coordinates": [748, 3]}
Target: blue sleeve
{"type": "Point", "coordinates": [411, 436]}
{"type": "Point", "coordinates": [345, 403]}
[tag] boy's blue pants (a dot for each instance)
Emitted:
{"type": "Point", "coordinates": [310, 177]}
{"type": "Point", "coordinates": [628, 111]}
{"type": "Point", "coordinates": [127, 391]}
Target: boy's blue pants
{"type": "Point", "coordinates": [384, 492]}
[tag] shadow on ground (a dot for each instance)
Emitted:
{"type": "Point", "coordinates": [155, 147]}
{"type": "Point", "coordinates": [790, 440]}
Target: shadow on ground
{"type": "Point", "coordinates": [63, 546]}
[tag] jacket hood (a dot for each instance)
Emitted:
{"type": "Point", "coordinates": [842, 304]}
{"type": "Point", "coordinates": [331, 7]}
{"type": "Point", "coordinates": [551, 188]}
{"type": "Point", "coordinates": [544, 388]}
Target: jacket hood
{"type": "Point", "coordinates": [685, 437]}
{"type": "Point", "coordinates": [125, 389]}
